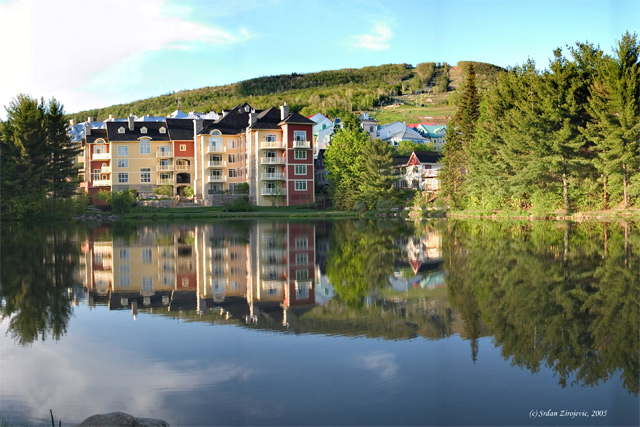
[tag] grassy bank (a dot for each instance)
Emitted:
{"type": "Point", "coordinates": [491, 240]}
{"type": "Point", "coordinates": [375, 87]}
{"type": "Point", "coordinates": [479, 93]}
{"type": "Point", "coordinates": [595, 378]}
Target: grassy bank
{"type": "Point", "coordinates": [171, 214]}
{"type": "Point", "coordinates": [633, 214]}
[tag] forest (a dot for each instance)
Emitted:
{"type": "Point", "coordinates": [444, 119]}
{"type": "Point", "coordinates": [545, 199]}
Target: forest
{"type": "Point", "coordinates": [327, 92]}
{"type": "Point", "coordinates": [564, 138]}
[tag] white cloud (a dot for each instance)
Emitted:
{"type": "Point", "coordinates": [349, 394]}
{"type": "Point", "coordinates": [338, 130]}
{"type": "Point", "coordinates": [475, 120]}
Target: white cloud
{"type": "Point", "coordinates": [378, 39]}
{"type": "Point", "coordinates": [53, 47]}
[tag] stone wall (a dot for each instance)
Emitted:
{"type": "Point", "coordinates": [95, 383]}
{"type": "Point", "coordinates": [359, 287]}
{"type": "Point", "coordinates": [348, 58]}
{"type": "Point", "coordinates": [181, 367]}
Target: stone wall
{"type": "Point", "coordinates": [222, 199]}
{"type": "Point", "coordinates": [154, 203]}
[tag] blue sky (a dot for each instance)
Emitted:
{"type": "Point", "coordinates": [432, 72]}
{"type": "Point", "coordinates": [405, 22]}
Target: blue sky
{"type": "Point", "coordinates": [92, 54]}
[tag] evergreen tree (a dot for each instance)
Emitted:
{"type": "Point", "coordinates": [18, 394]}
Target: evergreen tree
{"type": "Point", "coordinates": [37, 157]}
{"type": "Point", "coordinates": [377, 180]}
{"type": "Point", "coordinates": [469, 109]}
{"type": "Point", "coordinates": [453, 166]}
{"type": "Point", "coordinates": [62, 152]}
{"type": "Point", "coordinates": [615, 126]}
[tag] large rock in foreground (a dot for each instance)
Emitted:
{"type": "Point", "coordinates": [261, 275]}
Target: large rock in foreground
{"type": "Point", "coordinates": [121, 419]}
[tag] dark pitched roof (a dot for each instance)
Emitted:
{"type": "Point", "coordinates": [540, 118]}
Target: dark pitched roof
{"type": "Point", "coordinates": [96, 134]}
{"type": "Point", "coordinates": [233, 122]}
{"type": "Point", "coordinates": [180, 129]}
{"type": "Point", "coordinates": [153, 131]}
{"type": "Point", "coordinates": [298, 119]}
{"type": "Point", "coordinates": [428, 156]}
{"type": "Point", "coordinates": [400, 160]}
{"type": "Point", "coordinates": [268, 119]}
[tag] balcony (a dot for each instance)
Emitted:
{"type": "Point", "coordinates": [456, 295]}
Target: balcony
{"type": "Point", "coordinates": [216, 149]}
{"type": "Point", "coordinates": [183, 167]}
{"type": "Point", "coordinates": [101, 183]}
{"type": "Point", "coordinates": [168, 168]}
{"type": "Point", "coordinates": [105, 169]}
{"type": "Point", "coordinates": [216, 178]}
{"type": "Point", "coordinates": [303, 284]}
{"type": "Point", "coordinates": [273, 192]}
{"type": "Point", "coordinates": [164, 181]}
{"type": "Point", "coordinates": [164, 154]}
{"type": "Point", "coordinates": [301, 144]}
{"type": "Point", "coordinates": [101, 156]}
{"type": "Point", "coordinates": [273, 176]}
{"type": "Point", "coordinates": [431, 173]}
{"type": "Point", "coordinates": [217, 164]}
{"type": "Point", "coordinates": [272, 160]}
{"type": "Point", "coordinates": [272, 144]}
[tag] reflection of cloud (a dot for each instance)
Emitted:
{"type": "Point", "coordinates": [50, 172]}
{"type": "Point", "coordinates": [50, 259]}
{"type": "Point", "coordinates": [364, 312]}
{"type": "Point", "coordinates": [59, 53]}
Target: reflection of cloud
{"type": "Point", "coordinates": [383, 364]}
{"type": "Point", "coordinates": [106, 379]}
{"type": "Point", "coordinates": [377, 40]}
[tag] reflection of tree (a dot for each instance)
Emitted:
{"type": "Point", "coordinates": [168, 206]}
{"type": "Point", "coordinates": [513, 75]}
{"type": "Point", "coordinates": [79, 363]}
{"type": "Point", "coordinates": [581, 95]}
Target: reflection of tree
{"type": "Point", "coordinates": [361, 259]}
{"type": "Point", "coordinates": [38, 266]}
{"type": "Point", "coordinates": [553, 295]}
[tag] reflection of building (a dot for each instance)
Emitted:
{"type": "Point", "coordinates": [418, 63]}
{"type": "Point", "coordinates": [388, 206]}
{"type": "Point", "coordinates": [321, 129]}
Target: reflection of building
{"type": "Point", "coordinates": [423, 256]}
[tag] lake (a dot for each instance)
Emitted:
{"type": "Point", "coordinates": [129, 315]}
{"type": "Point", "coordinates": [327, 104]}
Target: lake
{"type": "Point", "coordinates": [347, 322]}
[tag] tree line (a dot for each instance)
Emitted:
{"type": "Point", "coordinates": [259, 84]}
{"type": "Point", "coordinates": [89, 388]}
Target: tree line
{"type": "Point", "coordinates": [37, 158]}
{"type": "Point", "coordinates": [566, 137]}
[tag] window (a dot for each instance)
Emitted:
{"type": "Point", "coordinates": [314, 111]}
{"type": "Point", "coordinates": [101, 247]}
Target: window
{"type": "Point", "coordinates": [143, 130]}
{"type": "Point", "coordinates": [302, 274]}
{"type": "Point", "coordinates": [167, 280]}
{"type": "Point", "coordinates": [145, 146]}
{"type": "Point", "coordinates": [183, 147]}
{"type": "Point", "coordinates": [233, 173]}
{"type": "Point", "coordinates": [124, 253]}
{"type": "Point", "coordinates": [121, 129]}
{"type": "Point", "coordinates": [125, 281]}
{"type": "Point", "coordinates": [232, 144]}
{"type": "Point", "coordinates": [147, 284]}
{"type": "Point", "coordinates": [123, 150]}
{"type": "Point", "coordinates": [96, 174]}
{"type": "Point", "coordinates": [185, 282]}
{"type": "Point", "coordinates": [302, 243]}
{"type": "Point", "coordinates": [300, 169]}
{"type": "Point", "coordinates": [302, 259]}
{"type": "Point", "coordinates": [233, 158]}
{"type": "Point", "coordinates": [300, 154]}
{"type": "Point", "coordinates": [123, 178]}
{"type": "Point", "coordinates": [272, 291]}
{"type": "Point", "coordinates": [270, 138]}
{"type": "Point", "coordinates": [299, 135]}
{"type": "Point", "coordinates": [301, 185]}
{"type": "Point", "coordinates": [145, 175]}
{"type": "Point", "coordinates": [123, 163]}
{"type": "Point", "coordinates": [125, 269]}
{"type": "Point", "coordinates": [165, 149]}
{"type": "Point", "coordinates": [163, 130]}
{"type": "Point", "coordinates": [370, 128]}
{"type": "Point", "coordinates": [147, 255]}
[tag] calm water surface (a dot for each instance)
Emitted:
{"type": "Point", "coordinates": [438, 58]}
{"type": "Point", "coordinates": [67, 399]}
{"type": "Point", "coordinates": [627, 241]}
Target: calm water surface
{"type": "Point", "coordinates": [322, 323]}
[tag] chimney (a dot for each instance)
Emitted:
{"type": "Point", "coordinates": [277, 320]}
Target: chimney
{"type": "Point", "coordinates": [89, 119]}
{"type": "Point", "coordinates": [284, 111]}
{"type": "Point", "coordinates": [131, 126]}
{"type": "Point", "coordinates": [110, 117]}
{"type": "Point", "coordinates": [252, 118]}
{"type": "Point", "coordinates": [87, 129]}
{"type": "Point", "coordinates": [72, 122]}
{"type": "Point", "coordinates": [224, 113]}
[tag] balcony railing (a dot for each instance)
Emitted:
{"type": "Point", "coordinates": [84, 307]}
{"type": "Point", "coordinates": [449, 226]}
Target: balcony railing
{"type": "Point", "coordinates": [105, 169]}
{"type": "Point", "coordinates": [272, 160]}
{"type": "Point", "coordinates": [274, 192]}
{"type": "Point", "coordinates": [101, 183]}
{"type": "Point", "coordinates": [301, 144]}
{"type": "Point", "coordinates": [217, 164]}
{"type": "Point", "coordinates": [101, 156]}
{"type": "Point", "coordinates": [277, 176]}
{"type": "Point", "coordinates": [431, 173]}
{"type": "Point", "coordinates": [303, 284]}
{"type": "Point", "coordinates": [163, 154]}
{"type": "Point", "coordinates": [164, 167]}
{"type": "Point", "coordinates": [183, 167]}
{"type": "Point", "coordinates": [216, 178]}
{"type": "Point", "coordinates": [164, 181]}
{"type": "Point", "coordinates": [272, 144]}
{"type": "Point", "coordinates": [216, 149]}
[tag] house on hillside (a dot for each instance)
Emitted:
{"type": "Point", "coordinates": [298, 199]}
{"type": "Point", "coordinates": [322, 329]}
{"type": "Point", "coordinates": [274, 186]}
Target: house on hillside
{"type": "Point", "coordinates": [419, 171]}
{"type": "Point", "coordinates": [399, 131]}
{"type": "Point", "coordinates": [434, 134]}
{"type": "Point", "coordinates": [322, 132]}
{"type": "Point", "coordinates": [368, 124]}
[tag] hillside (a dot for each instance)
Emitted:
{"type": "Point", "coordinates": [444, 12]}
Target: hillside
{"type": "Point", "coordinates": [420, 93]}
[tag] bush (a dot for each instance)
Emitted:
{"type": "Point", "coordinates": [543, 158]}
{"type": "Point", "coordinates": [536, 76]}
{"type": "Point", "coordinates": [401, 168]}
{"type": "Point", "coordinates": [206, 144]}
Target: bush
{"type": "Point", "coordinates": [188, 191]}
{"type": "Point", "coordinates": [359, 206]}
{"type": "Point", "coordinates": [243, 188]}
{"type": "Point", "coordinates": [164, 190]}
{"type": "Point", "coordinates": [240, 204]}
{"type": "Point", "coordinates": [123, 201]}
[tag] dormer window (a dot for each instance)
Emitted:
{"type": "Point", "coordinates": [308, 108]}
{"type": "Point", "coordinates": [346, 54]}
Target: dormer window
{"type": "Point", "coordinates": [143, 130]}
{"type": "Point", "coordinates": [163, 130]}
{"type": "Point", "coordinates": [121, 129]}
